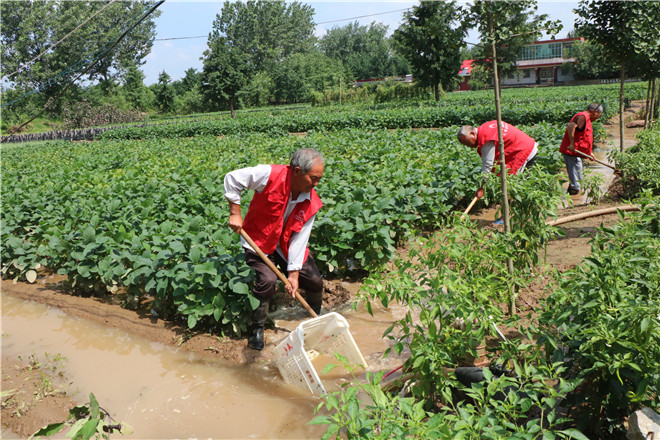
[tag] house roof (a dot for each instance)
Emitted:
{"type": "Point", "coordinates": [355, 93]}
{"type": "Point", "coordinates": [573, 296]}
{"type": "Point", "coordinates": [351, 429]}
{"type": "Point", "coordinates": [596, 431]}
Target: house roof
{"type": "Point", "coordinates": [466, 67]}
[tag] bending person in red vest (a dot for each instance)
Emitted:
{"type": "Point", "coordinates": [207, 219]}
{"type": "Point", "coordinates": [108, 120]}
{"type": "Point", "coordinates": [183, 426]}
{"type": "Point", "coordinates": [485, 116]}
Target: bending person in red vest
{"type": "Point", "coordinates": [519, 148]}
{"type": "Point", "coordinates": [279, 221]}
{"type": "Point", "coordinates": [579, 136]}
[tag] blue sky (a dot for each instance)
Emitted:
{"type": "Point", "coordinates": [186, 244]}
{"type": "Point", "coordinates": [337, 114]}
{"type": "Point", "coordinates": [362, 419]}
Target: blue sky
{"type": "Point", "coordinates": [183, 18]}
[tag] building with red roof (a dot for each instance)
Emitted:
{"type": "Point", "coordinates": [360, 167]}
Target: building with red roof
{"type": "Point", "coordinates": [546, 62]}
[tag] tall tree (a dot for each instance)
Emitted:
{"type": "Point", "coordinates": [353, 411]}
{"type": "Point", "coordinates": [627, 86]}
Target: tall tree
{"type": "Point", "coordinates": [226, 72]}
{"type": "Point", "coordinates": [365, 50]}
{"type": "Point", "coordinates": [134, 88]}
{"type": "Point", "coordinates": [431, 38]}
{"type": "Point", "coordinates": [267, 31]}
{"type": "Point", "coordinates": [164, 93]}
{"type": "Point", "coordinates": [627, 31]}
{"type": "Point", "coordinates": [250, 38]}
{"type": "Point", "coordinates": [81, 32]}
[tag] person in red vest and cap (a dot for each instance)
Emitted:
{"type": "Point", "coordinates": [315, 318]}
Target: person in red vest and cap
{"type": "Point", "coordinates": [579, 136]}
{"type": "Point", "coordinates": [279, 220]}
{"type": "Point", "coordinates": [519, 148]}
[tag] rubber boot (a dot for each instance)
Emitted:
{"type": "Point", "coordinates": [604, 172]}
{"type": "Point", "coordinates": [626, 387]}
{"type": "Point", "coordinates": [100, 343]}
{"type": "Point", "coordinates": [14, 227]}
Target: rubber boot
{"type": "Point", "coordinates": [256, 339]}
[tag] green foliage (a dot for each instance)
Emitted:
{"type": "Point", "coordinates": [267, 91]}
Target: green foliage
{"type": "Point", "coordinates": [226, 72]}
{"type": "Point", "coordinates": [534, 196]}
{"type": "Point", "coordinates": [431, 38]}
{"type": "Point", "coordinates": [591, 63]}
{"type": "Point", "coordinates": [88, 421]}
{"type": "Point", "coordinates": [28, 28]}
{"type": "Point", "coordinates": [134, 88]}
{"type": "Point", "coordinates": [452, 284]}
{"type": "Point", "coordinates": [602, 321]}
{"type": "Point", "coordinates": [301, 74]}
{"type": "Point", "coordinates": [384, 418]}
{"type": "Point", "coordinates": [364, 50]}
{"type": "Point", "coordinates": [164, 93]}
{"type": "Point", "coordinates": [627, 31]}
{"type": "Point", "coordinates": [640, 164]}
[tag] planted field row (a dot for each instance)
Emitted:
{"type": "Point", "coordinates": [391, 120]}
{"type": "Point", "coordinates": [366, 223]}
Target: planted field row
{"type": "Point", "coordinates": [150, 216]}
{"type": "Point", "coordinates": [293, 122]}
{"type": "Point", "coordinates": [521, 106]}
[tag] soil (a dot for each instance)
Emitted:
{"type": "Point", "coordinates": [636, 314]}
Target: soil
{"type": "Point", "coordinates": [30, 398]}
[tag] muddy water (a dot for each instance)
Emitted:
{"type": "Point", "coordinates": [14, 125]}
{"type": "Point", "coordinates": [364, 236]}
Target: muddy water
{"type": "Point", "coordinates": [163, 393]}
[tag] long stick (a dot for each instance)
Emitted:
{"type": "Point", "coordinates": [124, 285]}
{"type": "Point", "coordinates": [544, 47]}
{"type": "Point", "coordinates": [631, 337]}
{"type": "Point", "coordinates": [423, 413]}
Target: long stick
{"type": "Point", "coordinates": [279, 274]}
{"type": "Point", "coordinates": [604, 211]}
{"type": "Point", "coordinates": [470, 207]}
{"type": "Point", "coordinates": [595, 160]}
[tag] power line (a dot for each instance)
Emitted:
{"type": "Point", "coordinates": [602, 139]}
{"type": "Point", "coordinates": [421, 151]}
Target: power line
{"type": "Point", "coordinates": [362, 16]}
{"type": "Point", "coordinates": [315, 24]}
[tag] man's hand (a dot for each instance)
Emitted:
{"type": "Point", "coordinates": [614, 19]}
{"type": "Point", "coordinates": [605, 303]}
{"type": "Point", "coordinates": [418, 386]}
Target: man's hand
{"type": "Point", "coordinates": [236, 222]}
{"type": "Point", "coordinates": [480, 193]}
{"type": "Point", "coordinates": [235, 217]}
{"type": "Point", "coordinates": [293, 282]}
{"type": "Point", "coordinates": [571, 147]}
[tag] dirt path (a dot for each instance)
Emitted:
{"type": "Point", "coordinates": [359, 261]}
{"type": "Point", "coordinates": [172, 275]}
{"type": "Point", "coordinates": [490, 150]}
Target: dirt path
{"type": "Point", "coordinates": [32, 404]}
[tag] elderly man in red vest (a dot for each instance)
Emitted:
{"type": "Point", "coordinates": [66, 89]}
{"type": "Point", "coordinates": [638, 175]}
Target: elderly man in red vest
{"type": "Point", "coordinates": [519, 149]}
{"type": "Point", "coordinates": [579, 137]}
{"type": "Point", "coordinates": [279, 221]}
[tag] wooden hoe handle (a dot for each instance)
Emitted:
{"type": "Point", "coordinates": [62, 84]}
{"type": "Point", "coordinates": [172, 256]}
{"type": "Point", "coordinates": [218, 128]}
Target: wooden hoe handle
{"type": "Point", "coordinates": [595, 160]}
{"type": "Point", "coordinates": [470, 207]}
{"type": "Point", "coordinates": [279, 274]}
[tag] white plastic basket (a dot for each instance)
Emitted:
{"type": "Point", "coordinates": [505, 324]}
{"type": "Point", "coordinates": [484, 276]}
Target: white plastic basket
{"type": "Point", "coordinates": [327, 334]}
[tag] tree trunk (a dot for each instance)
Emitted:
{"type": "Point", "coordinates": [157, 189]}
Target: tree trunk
{"type": "Point", "coordinates": [231, 108]}
{"type": "Point", "coordinates": [500, 147]}
{"type": "Point", "coordinates": [621, 97]}
{"type": "Point", "coordinates": [654, 103]}
{"type": "Point", "coordinates": [436, 91]}
{"type": "Point", "coordinates": [647, 108]}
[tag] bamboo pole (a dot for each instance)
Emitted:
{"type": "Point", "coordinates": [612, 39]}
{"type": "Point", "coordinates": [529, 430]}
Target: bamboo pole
{"type": "Point", "coordinates": [582, 216]}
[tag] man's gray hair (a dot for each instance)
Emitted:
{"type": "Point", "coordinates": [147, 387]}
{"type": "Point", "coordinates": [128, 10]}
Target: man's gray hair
{"type": "Point", "coordinates": [594, 106]}
{"type": "Point", "coordinates": [464, 131]}
{"type": "Point", "coordinates": [305, 158]}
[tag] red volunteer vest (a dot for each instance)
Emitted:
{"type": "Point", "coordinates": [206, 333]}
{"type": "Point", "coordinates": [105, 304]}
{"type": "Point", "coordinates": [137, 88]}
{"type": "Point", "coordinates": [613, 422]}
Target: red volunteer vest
{"type": "Point", "coordinates": [584, 140]}
{"type": "Point", "coordinates": [517, 145]}
{"type": "Point", "coordinates": [264, 221]}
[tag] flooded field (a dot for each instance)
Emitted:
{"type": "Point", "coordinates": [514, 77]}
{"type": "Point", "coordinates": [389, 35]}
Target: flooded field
{"type": "Point", "coordinates": [166, 393]}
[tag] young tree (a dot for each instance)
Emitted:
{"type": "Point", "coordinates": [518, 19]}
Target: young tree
{"type": "Point", "coordinates": [365, 50]}
{"type": "Point", "coordinates": [431, 39]}
{"type": "Point", "coordinates": [627, 31]}
{"type": "Point", "coordinates": [499, 26]}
